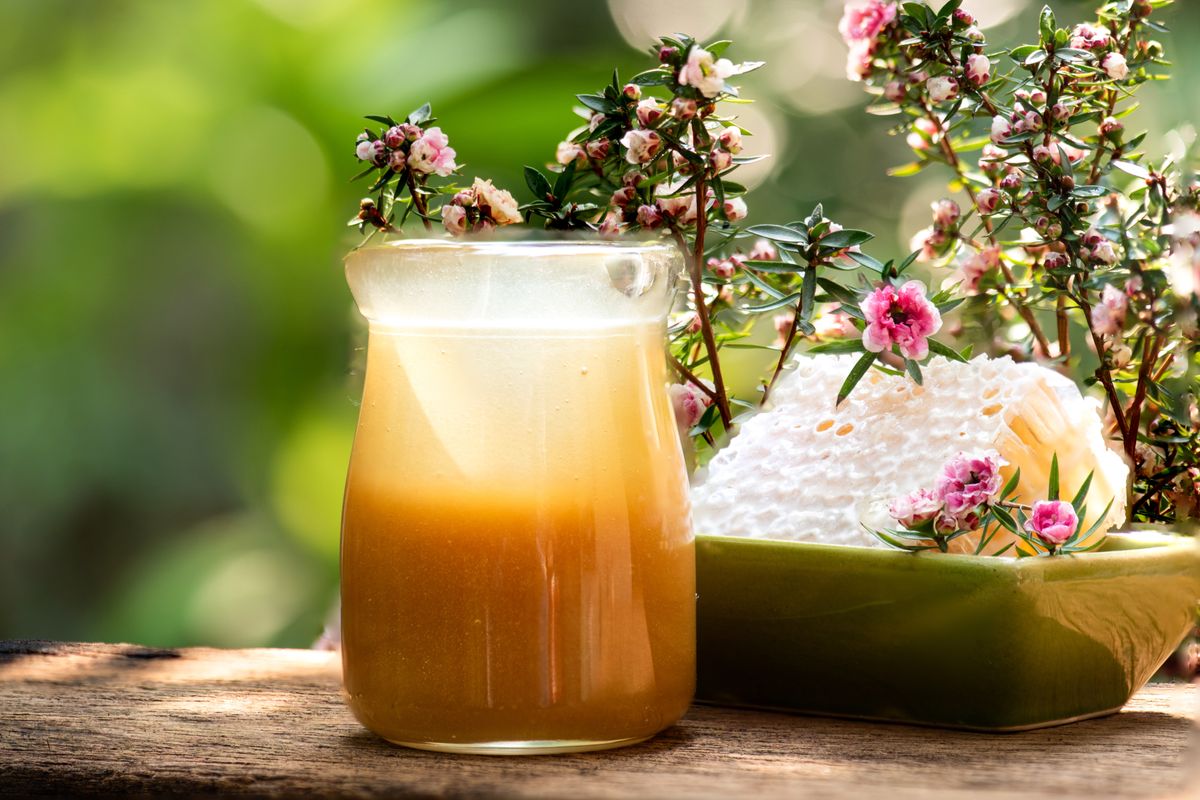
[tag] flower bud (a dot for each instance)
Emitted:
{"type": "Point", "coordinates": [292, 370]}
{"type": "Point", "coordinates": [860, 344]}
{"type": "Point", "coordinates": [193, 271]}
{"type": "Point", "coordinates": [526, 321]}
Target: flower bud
{"type": "Point", "coordinates": [894, 91]}
{"type": "Point", "coordinates": [1115, 66]}
{"type": "Point", "coordinates": [720, 160]}
{"type": "Point", "coordinates": [978, 68]}
{"type": "Point", "coordinates": [632, 91]}
{"type": "Point", "coordinates": [941, 88]}
{"type": "Point", "coordinates": [1056, 261]}
{"type": "Point", "coordinates": [1054, 231]}
{"type": "Point", "coordinates": [1111, 128]}
{"type": "Point", "coordinates": [730, 140]}
{"type": "Point", "coordinates": [648, 112]}
{"type": "Point", "coordinates": [1060, 112]}
{"type": "Point", "coordinates": [623, 197]}
{"type": "Point", "coordinates": [1011, 181]}
{"type": "Point", "coordinates": [598, 150]}
{"type": "Point", "coordinates": [1119, 355]}
{"type": "Point", "coordinates": [1033, 121]}
{"type": "Point", "coordinates": [963, 18]}
{"type": "Point", "coordinates": [945, 213]}
{"type": "Point", "coordinates": [396, 160]}
{"type": "Point", "coordinates": [735, 209]}
{"type": "Point", "coordinates": [975, 35]}
{"type": "Point", "coordinates": [683, 109]}
{"type": "Point", "coordinates": [667, 54]}
{"type": "Point", "coordinates": [987, 200]}
{"type": "Point", "coordinates": [649, 216]}
{"type": "Point", "coordinates": [1068, 182]}
{"type": "Point", "coordinates": [394, 137]}
{"type": "Point", "coordinates": [1038, 97]}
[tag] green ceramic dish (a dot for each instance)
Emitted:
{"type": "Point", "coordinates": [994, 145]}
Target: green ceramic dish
{"type": "Point", "coordinates": [991, 644]}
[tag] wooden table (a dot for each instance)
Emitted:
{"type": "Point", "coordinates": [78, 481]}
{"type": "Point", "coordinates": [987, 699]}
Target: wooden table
{"type": "Point", "coordinates": [95, 718]}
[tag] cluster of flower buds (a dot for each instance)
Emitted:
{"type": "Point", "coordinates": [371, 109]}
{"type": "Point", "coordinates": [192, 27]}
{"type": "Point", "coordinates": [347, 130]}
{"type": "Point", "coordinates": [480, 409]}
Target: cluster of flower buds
{"type": "Point", "coordinates": [965, 488]}
{"type": "Point", "coordinates": [408, 146]}
{"type": "Point", "coordinates": [481, 207]}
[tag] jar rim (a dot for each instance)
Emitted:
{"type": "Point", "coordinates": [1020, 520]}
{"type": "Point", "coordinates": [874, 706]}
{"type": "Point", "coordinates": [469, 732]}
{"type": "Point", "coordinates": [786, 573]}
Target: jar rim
{"type": "Point", "coordinates": [559, 246]}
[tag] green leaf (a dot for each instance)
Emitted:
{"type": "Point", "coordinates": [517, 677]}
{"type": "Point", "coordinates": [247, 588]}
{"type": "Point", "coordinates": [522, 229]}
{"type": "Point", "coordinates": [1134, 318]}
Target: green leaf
{"type": "Point", "coordinates": [945, 350]}
{"type": "Point", "coordinates": [864, 260]}
{"type": "Point", "coordinates": [1081, 495]}
{"type": "Point", "coordinates": [844, 238]}
{"type": "Point", "coordinates": [914, 370]}
{"type": "Point", "coordinates": [562, 184]}
{"type": "Point", "coordinates": [856, 374]}
{"type": "Point", "coordinates": [808, 290]}
{"type": "Point", "coordinates": [1011, 486]}
{"type": "Point", "coordinates": [1052, 491]}
{"type": "Point", "coordinates": [1003, 517]}
{"type": "Point", "coordinates": [421, 115]}
{"type": "Point", "coordinates": [717, 48]}
{"type": "Point", "coordinates": [778, 233]}
{"type": "Point", "coordinates": [382, 120]}
{"type": "Point", "coordinates": [597, 103]}
{"type": "Point", "coordinates": [774, 304]}
{"type": "Point", "coordinates": [538, 184]}
{"type": "Point", "coordinates": [773, 267]}
{"type": "Point", "coordinates": [839, 347]}
{"type": "Point", "coordinates": [1046, 24]}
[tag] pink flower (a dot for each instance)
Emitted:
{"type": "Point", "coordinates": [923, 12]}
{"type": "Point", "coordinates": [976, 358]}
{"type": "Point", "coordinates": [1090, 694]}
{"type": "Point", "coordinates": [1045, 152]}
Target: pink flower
{"type": "Point", "coordinates": [597, 149]}
{"type": "Point", "coordinates": [945, 213]}
{"type": "Point", "coordinates": [623, 196]}
{"type": "Point", "coordinates": [641, 146]}
{"type": "Point", "coordinates": [1055, 261]}
{"type": "Point", "coordinates": [649, 216]}
{"type": "Point", "coordinates": [924, 134]}
{"type": "Point", "coordinates": [568, 152]}
{"type": "Point", "coordinates": [496, 204]}
{"type": "Point", "coordinates": [1097, 248]}
{"type": "Point", "coordinates": [941, 88]}
{"type": "Point", "coordinates": [432, 154]}
{"type": "Point", "coordinates": [396, 160]}
{"type": "Point", "coordinates": [735, 209]}
{"type": "Point", "coordinates": [894, 91]}
{"type": "Point", "coordinates": [394, 136]}
{"type": "Point", "coordinates": [690, 402]}
{"type": "Point", "coordinates": [978, 68]}
{"type": "Point", "coordinates": [968, 483]}
{"type": "Point", "coordinates": [705, 73]}
{"type": "Point", "coordinates": [834, 325]}
{"type": "Point", "coordinates": [1043, 154]}
{"type": "Point", "coordinates": [975, 267]}
{"type": "Point", "coordinates": [1108, 316]}
{"type": "Point", "coordinates": [680, 207]}
{"type": "Point", "coordinates": [861, 25]}
{"type": "Point", "coordinates": [371, 151]}
{"type": "Point", "coordinates": [1089, 37]}
{"type": "Point", "coordinates": [929, 241]}
{"type": "Point", "coordinates": [992, 160]}
{"type": "Point", "coordinates": [730, 140]}
{"type": "Point", "coordinates": [903, 317]}
{"type": "Point", "coordinates": [763, 251]}
{"type": "Point", "coordinates": [648, 112]}
{"type": "Point", "coordinates": [987, 200]}
{"type": "Point", "coordinates": [720, 160]}
{"type": "Point", "coordinates": [1001, 129]}
{"type": "Point", "coordinates": [1110, 127]}
{"type": "Point", "coordinates": [683, 108]}
{"type": "Point", "coordinates": [1115, 66]}
{"type": "Point", "coordinates": [454, 218]}
{"type": "Point", "coordinates": [913, 509]}
{"type": "Point", "coordinates": [1053, 521]}
{"type": "Point", "coordinates": [611, 225]}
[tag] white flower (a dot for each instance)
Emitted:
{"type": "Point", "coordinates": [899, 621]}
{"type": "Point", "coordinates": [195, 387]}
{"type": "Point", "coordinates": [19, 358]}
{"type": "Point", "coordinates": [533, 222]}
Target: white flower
{"type": "Point", "coordinates": [941, 88]}
{"type": "Point", "coordinates": [641, 146]}
{"type": "Point", "coordinates": [704, 73]}
{"type": "Point", "coordinates": [499, 204]}
{"type": "Point", "coordinates": [978, 68]}
{"type": "Point", "coordinates": [735, 209]}
{"type": "Point", "coordinates": [568, 152]}
{"type": "Point", "coordinates": [1001, 129]}
{"type": "Point", "coordinates": [1115, 66]}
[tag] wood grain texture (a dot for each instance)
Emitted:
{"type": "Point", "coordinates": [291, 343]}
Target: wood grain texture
{"type": "Point", "coordinates": [93, 718]}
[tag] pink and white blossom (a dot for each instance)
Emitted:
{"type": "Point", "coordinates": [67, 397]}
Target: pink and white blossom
{"type": "Point", "coordinates": [705, 73]}
{"type": "Point", "coordinates": [611, 225]}
{"type": "Point", "coordinates": [915, 508]}
{"type": "Point", "coordinates": [566, 152]}
{"type": "Point", "coordinates": [641, 146]}
{"type": "Point", "coordinates": [649, 216]}
{"type": "Point", "coordinates": [734, 209]}
{"type": "Point", "coordinates": [683, 108]}
{"type": "Point", "coordinates": [968, 483]}
{"type": "Point", "coordinates": [904, 317]}
{"type": "Point", "coordinates": [941, 88]}
{"type": "Point", "coordinates": [987, 200]}
{"type": "Point", "coordinates": [371, 151]}
{"type": "Point", "coordinates": [925, 133]}
{"type": "Point", "coordinates": [431, 154]}
{"type": "Point", "coordinates": [978, 68]}
{"type": "Point", "coordinates": [689, 402]}
{"type": "Point", "coordinates": [860, 26]}
{"type": "Point", "coordinates": [1115, 66]}
{"type": "Point", "coordinates": [730, 139]}
{"type": "Point", "coordinates": [763, 250]}
{"type": "Point", "coordinates": [945, 213]}
{"type": "Point", "coordinates": [975, 267]}
{"type": "Point", "coordinates": [454, 218]}
{"type": "Point", "coordinates": [649, 112]}
{"type": "Point", "coordinates": [1053, 521]}
{"type": "Point", "coordinates": [720, 160]}
{"type": "Point", "coordinates": [1089, 37]}
{"type": "Point", "coordinates": [1001, 129]}
{"type": "Point", "coordinates": [1108, 316]}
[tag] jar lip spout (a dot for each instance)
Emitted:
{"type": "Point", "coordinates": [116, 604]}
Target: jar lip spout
{"type": "Point", "coordinates": [560, 245]}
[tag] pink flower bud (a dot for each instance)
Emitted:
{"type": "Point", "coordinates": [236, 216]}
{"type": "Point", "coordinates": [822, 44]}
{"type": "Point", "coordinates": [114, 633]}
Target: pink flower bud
{"type": "Point", "coordinates": [978, 68]}
{"type": "Point", "coordinates": [595, 121]}
{"type": "Point", "coordinates": [1053, 521]}
{"type": "Point", "coordinates": [1115, 66]}
{"type": "Point", "coordinates": [598, 149]}
{"type": "Point", "coordinates": [1033, 121]}
{"type": "Point", "coordinates": [623, 197]}
{"type": "Point", "coordinates": [1042, 154]}
{"type": "Point", "coordinates": [992, 161]}
{"type": "Point", "coordinates": [396, 160]}
{"type": "Point", "coordinates": [914, 509]}
{"type": "Point", "coordinates": [649, 217]}
{"type": "Point", "coordinates": [1053, 232]}
{"type": "Point", "coordinates": [682, 108]}
{"type": "Point", "coordinates": [454, 219]}
{"type": "Point", "coordinates": [987, 200]}
{"type": "Point", "coordinates": [568, 152]}
{"type": "Point", "coordinates": [763, 250]}
{"type": "Point", "coordinates": [370, 151]}
{"type": "Point", "coordinates": [1038, 97]}
{"type": "Point", "coordinates": [945, 213]}
{"type": "Point", "coordinates": [963, 18]}
{"type": "Point", "coordinates": [1011, 181]}
{"type": "Point", "coordinates": [632, 91]}
{"type": "Point", "coordinates": [721, 267]}
{"type": "Point", "coordinates": [720, 160]}
{"type": "Point", "coordinates": [894, 91]}
{"type": "Point", "coordinates": [641, 146]}
{"type": "Point", "coordinates": [730, 140]}
{"type": "Point", "coordinates": [648, 112]}
{"type": "Point", "coordinates": [666, 54]}
{"type": "Point", "coordinates": [941, 88]}
{"type": "Point", "coordinates": [735, 209]}
{"type": "Point", "coordinates": [1001, 129]}
{"type": "Point", "coordinates": [1056, 261]}
{"type": "Point", "coordinates": [1061, 112]}
{"type": "Point", "coordinates": [1111, 128]}
{"type": "Point", "coordinates": [689, 402]}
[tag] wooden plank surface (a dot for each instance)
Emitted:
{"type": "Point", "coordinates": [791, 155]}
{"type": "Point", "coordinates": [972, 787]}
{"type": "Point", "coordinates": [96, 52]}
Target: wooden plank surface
{"type": "Point", "coordinates": [93, 718]}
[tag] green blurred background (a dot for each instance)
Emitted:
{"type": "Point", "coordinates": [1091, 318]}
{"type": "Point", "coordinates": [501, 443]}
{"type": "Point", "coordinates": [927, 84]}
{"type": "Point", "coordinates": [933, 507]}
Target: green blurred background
{"type": "Point", "coordinates": [179, 352]}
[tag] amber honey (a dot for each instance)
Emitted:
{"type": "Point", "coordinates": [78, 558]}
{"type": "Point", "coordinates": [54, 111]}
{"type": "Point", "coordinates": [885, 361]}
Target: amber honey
{"type": "Point", "coordinates": [517, 558]}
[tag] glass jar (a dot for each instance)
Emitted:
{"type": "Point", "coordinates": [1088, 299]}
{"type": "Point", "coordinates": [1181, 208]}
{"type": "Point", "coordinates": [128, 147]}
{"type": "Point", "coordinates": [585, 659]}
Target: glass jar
{"type": "Point", "coordinates": [517, 557]}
